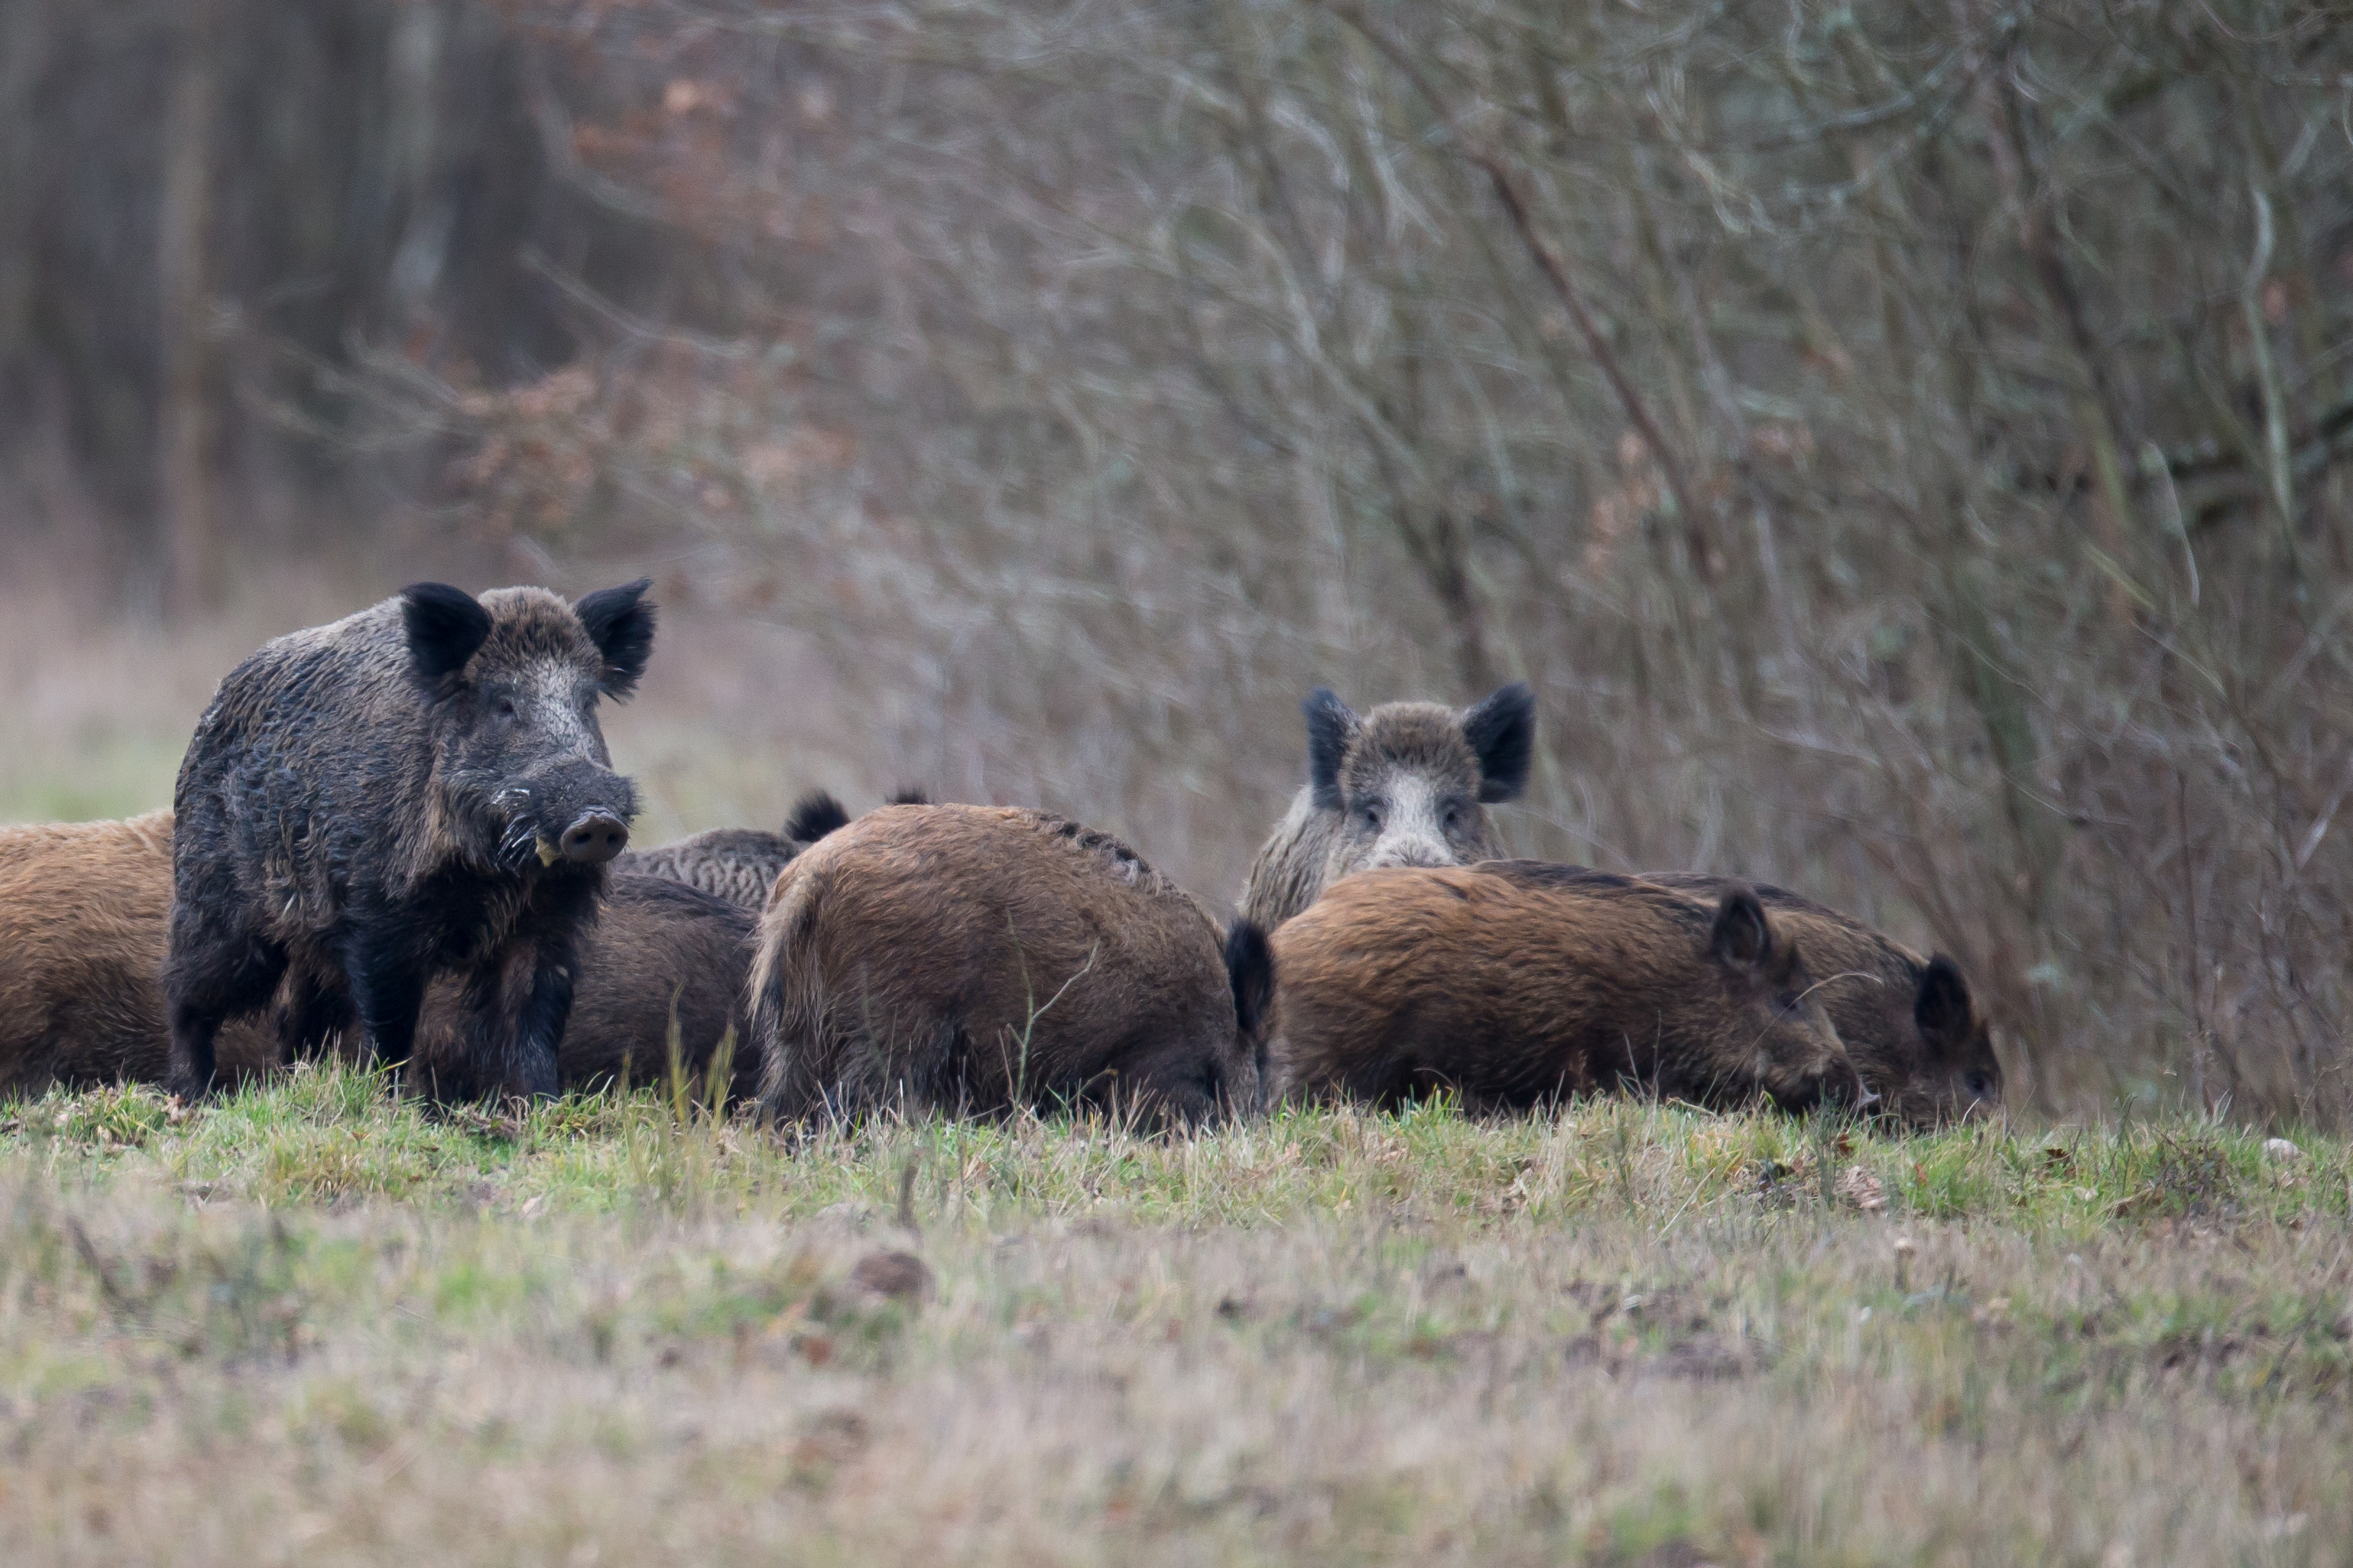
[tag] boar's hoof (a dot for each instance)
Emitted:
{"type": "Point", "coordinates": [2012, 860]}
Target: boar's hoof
{"type": "Point", "coordinates": [595, 839]}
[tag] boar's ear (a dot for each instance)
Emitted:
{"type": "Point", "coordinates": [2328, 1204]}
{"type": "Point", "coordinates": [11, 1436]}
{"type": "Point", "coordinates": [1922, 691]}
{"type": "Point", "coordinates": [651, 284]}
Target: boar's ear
{"type": "Point", "coordinates": [1742, 937]}
{"type": "Point", "coordinates": [816, 815]}
{"type": "Point", "coordinates": [621, 623]}
{"type": "Point", "coordinates": [1249, 969]}
{"type": "Point", "coordinates": [1502, 733]}
{"type": "Point", "coordinates": [1942, 1010]}
{"type": "Point", "coordinates": [1331, 726]}
{"type": "Point", "coordinates": [445, 625]}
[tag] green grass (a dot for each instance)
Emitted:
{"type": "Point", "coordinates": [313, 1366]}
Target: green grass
{"type": "Point", "coordinates": [315, 1323]}
{"type": "Point", "coordinates": [326, 1135]}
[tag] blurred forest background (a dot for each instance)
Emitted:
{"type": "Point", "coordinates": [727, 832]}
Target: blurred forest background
{"type": "Point", "coordinates": [1908, 446]}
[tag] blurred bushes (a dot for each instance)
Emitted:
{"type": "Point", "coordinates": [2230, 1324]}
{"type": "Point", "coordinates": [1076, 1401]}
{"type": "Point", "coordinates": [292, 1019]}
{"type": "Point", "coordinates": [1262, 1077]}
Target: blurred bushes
{"type": "Point", "coordinates": [1907, 445]}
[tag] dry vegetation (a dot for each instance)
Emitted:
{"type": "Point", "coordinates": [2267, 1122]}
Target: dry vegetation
{"type": "Point", "coordinates": [312, 1322]}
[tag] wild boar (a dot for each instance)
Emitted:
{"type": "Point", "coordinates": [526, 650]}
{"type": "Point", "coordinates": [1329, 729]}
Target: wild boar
{"type": "Point", "coordinates": [738, 864]}
{"type": "Point", "coordinates": [969, 959]}
{"type": "Point", "coordinates": [85, 908]}
{"type": "Point", "coordinates": [1517, 983]}
{"type": "Point", "coordinates": [741, 864]}
{"type": "Point", "coordinates": [417, 789]}
{"type": "Point", "coordinates": [1925, 1052]}
{"type": "Point", "coordinates": [1407, 785]}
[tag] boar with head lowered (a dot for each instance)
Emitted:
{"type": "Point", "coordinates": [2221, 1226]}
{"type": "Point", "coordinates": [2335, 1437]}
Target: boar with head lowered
{"type": "Point", "coordinates": [1517, 983]}
{"type": "Point", "coordinates": [1922, 1051]}
{"type": "Point", "coordinates": [1406, 785]}
{"type": "Point", "coordinates": [418, 789]}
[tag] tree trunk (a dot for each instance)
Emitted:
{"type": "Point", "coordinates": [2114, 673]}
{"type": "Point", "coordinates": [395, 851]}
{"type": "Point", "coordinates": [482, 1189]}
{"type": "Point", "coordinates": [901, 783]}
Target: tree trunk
{"type": "Point", "coordinates": [186, 409]}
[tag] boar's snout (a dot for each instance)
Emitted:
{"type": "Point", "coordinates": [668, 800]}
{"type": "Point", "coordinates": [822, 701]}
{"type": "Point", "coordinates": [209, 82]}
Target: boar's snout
{"type": "Point", "coordinates": [594, 837]}
{"type": "Point", "coordinates": [572, 813]}
{"type": "Point", "coordinates": [1414, 851]}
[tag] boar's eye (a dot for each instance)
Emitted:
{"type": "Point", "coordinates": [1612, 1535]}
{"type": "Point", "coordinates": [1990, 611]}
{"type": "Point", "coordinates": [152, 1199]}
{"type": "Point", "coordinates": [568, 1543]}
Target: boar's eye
{"type": "Point", "coordinates": [1373, 814]}
{"type": "Point", "coordinates": [1451, 817]}
{"type": "Point", "coordinates": [506, 707]}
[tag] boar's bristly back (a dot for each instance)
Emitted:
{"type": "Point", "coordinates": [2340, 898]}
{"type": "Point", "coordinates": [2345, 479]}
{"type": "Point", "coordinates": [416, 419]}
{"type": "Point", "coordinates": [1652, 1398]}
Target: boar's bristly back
{"type": "Point", "coordinates": [1514, 983]}
{"type": "Point", "coordinates": [970, 959]}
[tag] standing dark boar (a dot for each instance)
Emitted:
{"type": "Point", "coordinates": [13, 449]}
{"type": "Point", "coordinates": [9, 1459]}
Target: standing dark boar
{"type": "Point", "coordinates": [738, 864]}
{"type": "Point", "coordinates": [968, 958]}
{"type": "Point", "coordinates": [1908, 1023]}
{"type": "Point", "coordinates": [1407, 785]}
{"type": "Point", "coordinates": [1517, 984]}
{"type": "Point", "coordinates": [85, 908]}
{"type": "Point", "coordinates": [417, 789]}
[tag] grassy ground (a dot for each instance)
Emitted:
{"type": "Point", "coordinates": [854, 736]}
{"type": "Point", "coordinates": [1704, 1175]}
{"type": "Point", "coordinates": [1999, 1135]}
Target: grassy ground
{"type": "Point", "coordinates": [314, 1323]}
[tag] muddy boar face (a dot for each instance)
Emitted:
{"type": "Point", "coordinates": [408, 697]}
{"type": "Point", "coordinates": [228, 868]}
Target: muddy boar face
{"type": "Point", "coordinates": [1411, 780]}
{"type": "Point", "coordinates": [1780, 1036]}
{"type": "Point", "coordinates": [513, 679]}
{"type": "Point", "coordinates": [1949, 1072]}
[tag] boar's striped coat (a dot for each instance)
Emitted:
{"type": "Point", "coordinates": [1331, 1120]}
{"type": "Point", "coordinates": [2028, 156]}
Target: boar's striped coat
{"type": "Point", "coordinates": [1516, 984]}
{"type": "Point", "coordinates": [737, 864]}
{"type": "Point", "coordinates": [970, 959]}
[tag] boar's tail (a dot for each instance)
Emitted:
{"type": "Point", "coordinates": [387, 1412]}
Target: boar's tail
{"type": "Point", "coordinates": [1249, 969]}
{"type": "Point", "coordinates": [789, 1016]}
{"type": "Point", "coordinates": [815, 814]}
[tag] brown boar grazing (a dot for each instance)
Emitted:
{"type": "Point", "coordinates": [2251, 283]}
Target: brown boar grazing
{"type": "Point", "coordinates": [1517, 984]}
{"type": "Point", "coordinates": [1923, 1049]}
{"type": "Point", "coordinates": [85, 908]}
{"type": "Point", "coordinates": [970, 959]}
{"type": "Point", "coordinates": [418, 789]}
{"type": "Point", "coordinates": [1406, 785]}
{"type": "Point", "coordinates": [660, 954]}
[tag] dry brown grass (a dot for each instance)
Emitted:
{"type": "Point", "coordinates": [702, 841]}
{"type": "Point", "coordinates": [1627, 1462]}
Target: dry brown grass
{"type": "Point", "coordinates": [1630, 1335]}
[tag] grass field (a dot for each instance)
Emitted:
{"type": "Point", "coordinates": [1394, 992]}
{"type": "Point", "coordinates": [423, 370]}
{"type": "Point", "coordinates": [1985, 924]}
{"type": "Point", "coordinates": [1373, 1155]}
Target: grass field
{"type": "Point", "coordinates": [316, 1323]}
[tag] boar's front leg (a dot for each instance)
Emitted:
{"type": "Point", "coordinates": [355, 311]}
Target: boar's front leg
{"type": "Point", "coordinates": [388, 983]}
{"type": "Point", "coordinates": [514, 1041]}
{"type": "Point", "coordinates": [314, 1013]}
